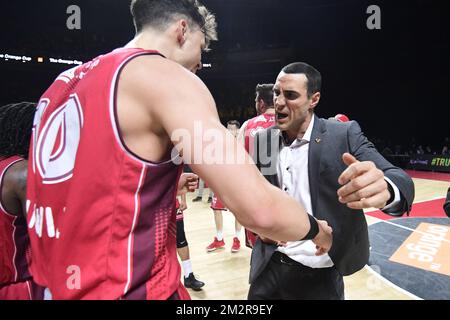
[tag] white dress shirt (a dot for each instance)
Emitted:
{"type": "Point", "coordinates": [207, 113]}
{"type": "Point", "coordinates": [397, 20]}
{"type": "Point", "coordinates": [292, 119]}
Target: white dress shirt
{"type": "Point", "coordinates": [294, 179]}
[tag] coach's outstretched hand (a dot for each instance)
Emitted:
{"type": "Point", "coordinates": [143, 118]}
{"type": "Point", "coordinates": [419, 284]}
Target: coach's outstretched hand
{"type": "Point", "coordinates": [188, 183]}
{"type": "Point", "coordinates": [324, 239]}
{"type": "Point", "coordinates": [363, 184]}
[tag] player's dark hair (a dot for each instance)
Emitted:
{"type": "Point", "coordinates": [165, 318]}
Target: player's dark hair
{"type": "Point", "coordinates": [160, 13]}
{"type": "Point", "coordinates": [16, 122]}
{"type": "Point", "coordinates": [234, 123]}
{"type": "Point", "coordinates": [264, 92]}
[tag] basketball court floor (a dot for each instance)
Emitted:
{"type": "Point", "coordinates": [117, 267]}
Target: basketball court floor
{"type": "Point", "coordinates": [387, 277]}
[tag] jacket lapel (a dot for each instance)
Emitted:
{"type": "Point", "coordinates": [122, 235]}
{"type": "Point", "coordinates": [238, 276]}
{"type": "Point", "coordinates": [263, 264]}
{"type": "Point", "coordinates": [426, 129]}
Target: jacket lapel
{"type": "Point", "coordinates": [315, 153]}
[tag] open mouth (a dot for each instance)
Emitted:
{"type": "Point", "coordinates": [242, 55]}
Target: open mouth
{"type": "Point", "coordinates": [281, 116]}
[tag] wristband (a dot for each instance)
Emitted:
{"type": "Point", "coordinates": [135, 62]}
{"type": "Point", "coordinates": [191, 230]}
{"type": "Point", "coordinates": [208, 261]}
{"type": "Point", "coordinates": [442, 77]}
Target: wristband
{"type": "Point", "coordinates": [314, 230]}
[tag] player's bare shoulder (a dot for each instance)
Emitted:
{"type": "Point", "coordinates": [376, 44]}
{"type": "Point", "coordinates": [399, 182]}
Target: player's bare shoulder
{"type": "Point", "coordinates": [14, 186]}
{"type": "Point", "coordinates": [154, 78]}
{"type": "Point", "coordinates": [17, 175]}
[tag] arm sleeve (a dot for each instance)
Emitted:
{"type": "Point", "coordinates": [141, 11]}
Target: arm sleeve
{"type": "Point", "coordinates": [364, 150]}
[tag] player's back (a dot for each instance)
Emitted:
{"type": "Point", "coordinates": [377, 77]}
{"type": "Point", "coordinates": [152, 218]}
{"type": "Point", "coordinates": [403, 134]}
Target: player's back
{"type": "Point", "coordinates": [254, 125]}
{"type": "Point", "coordinates": [102, 219]}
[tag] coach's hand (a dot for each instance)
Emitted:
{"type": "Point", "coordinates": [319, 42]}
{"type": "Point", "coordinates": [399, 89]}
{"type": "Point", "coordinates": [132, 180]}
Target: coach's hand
{"type": "Point", "coordinates": [188, 183]}
{"type": "Point", "coordinates": [364, 185]}
{"type": "Point", "coordinates": [183, 204]}
{"type": "Point", "coordinates": [324, 239]}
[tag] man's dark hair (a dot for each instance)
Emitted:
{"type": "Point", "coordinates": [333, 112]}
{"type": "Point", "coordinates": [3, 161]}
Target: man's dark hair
{"type": "Point", "coordinates": [314, 77]}
{"type": "Point", "coordinates": [234, 123]}
{"type": "Point", "coordinates": [265, 93]}
{"type": "Point", "coordinates": [16, 122]}
{"type": "Point", "coordinates": [160, 13]}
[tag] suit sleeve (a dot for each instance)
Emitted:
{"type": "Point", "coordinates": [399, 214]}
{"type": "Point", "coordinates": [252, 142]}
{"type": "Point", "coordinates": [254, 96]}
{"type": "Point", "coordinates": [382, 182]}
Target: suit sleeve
{"type": "Point", "coordinates": [447, 204]}
{"type": "Point", "coordinates": [364, 150]}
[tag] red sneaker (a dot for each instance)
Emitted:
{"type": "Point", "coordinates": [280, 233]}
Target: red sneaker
{"type": "Point", "coordinates": [236, 245]}
{"type": "Point", "coordinates": [216, 244]}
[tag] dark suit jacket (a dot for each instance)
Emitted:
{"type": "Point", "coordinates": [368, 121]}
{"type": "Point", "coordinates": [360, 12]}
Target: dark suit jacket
{"type": "Point", "coordinates": [330, 139]}
{"type": "Point", "coordinates": [447, 203]}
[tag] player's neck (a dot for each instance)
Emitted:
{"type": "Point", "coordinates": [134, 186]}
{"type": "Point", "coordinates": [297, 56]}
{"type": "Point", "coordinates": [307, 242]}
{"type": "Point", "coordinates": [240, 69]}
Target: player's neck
{"type": "Point", "coordinates": [149, 40]}
{"type": "Point", "coordinates": [270, 111]}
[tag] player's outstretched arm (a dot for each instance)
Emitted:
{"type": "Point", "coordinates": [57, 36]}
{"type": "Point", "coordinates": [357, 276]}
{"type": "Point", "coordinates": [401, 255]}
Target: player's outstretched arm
{"type": "Point", "coordinates": [181, 103]}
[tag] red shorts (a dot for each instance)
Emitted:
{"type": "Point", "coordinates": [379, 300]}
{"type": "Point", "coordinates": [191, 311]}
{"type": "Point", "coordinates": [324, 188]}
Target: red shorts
{"type": "Point", "coordinates": [181, 294]}
{"type": "Point", "coordinates": [180, 215]}
{"type": "Point", "coordinates": [250, 238]}
{"type": "Point", "coordinates": [26, 290]}
{"type": "Point", "coordinates": [216, 204]}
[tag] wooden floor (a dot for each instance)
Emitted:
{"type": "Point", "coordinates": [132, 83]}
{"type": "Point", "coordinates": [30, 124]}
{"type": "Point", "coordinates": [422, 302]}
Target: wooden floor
{"type": "Point", "coordinates": [226, 273]}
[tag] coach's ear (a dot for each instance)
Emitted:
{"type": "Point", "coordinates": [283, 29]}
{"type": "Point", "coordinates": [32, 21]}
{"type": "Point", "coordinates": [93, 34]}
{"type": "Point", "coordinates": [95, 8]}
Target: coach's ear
{"type": "Point", "coordinates": [315, 98]}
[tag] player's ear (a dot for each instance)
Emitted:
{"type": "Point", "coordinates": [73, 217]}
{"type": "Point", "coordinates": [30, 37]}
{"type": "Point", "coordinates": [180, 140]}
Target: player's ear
{"type": "Point", "coordinates": [181, 31]}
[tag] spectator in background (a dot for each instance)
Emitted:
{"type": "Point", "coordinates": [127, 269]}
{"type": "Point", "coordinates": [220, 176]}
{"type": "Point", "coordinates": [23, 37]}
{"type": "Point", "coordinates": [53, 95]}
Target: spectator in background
{"type": "Point", "coordinates": [412, 146]}
{"type": "Point", "coordinates": [387, 152]}
{"type": "Point", "coordinates": [398, 149]}
{"type": "Point", "coordinates": [201, 188]}
{"type": "Point", "coordinates": [445, 151]}
{"type": "Point", "coordinates": [445, 148]}
{"type": "Point", "coordinates": [420, 150]}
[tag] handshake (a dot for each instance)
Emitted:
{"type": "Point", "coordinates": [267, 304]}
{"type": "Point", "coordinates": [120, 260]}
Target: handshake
{"type": "Point", "coordinates": [323, 240]}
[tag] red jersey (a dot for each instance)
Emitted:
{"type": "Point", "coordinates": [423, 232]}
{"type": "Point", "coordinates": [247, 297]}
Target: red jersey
{"type": "Point", "coordinates": [14, 241]}
{"type": "Point", "coordinates": [254, 125]}
{"type": "Point", "coordinates": [101, 219]}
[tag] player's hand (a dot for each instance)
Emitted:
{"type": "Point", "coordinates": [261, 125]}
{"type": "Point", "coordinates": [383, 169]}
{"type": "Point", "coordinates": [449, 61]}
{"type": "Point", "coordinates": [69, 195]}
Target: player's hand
{"type": "Point", "coordinates": [188, 183]}
{"type": "Point", "coordinates": [363, 184]}
{"type": "Point", "coordinates": [324, 239]}
{"type": "Point", "coordinates": [183, 204]}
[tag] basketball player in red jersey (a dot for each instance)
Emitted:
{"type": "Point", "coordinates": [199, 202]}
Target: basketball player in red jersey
{"type": "Point", "coordinates": [183, 248]}
{"type": "Point", "coordinates": [217, 206]}
{"type": "Point", "coordinates": [265, 119]}
{"type": "Point", "coordinates": [265, 116]}
{"type": "Point", "coordinates": [16, 282]}
{"type": "Point", "coordinates": [341, 118]}
{"type": "Point", "coordinates": [103, 170]}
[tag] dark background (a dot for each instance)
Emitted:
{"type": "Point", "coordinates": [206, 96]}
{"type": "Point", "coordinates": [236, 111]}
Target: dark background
{"type": "Point", "coordinates": [393, 81]}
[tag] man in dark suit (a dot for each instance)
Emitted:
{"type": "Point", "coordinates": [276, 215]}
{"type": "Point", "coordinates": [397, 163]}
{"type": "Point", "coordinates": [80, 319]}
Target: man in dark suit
{"type": "Point", "coordinates": [447, 204]}
{"type": "Point", "coordinates": [335, 172]}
